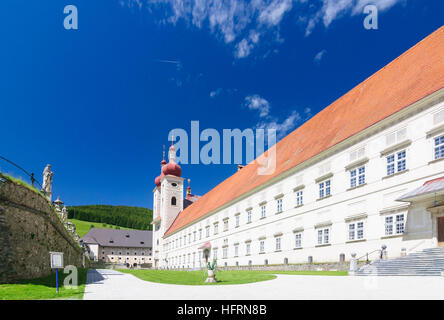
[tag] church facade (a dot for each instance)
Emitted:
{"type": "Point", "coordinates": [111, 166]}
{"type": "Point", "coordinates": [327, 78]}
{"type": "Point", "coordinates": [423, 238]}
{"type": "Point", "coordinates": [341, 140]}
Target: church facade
{"type": "Point", "coordinates": [366, 171]}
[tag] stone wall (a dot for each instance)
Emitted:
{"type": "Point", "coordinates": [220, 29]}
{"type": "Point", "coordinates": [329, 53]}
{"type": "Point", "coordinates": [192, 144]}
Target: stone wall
{"type": "Point", "coordinates": [29, 230]}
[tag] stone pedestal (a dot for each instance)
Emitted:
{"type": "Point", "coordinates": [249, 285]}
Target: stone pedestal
{"type": "Point", "coordinates": [353, 265]}
{"type": "Point", "coordinates": [211, 277]}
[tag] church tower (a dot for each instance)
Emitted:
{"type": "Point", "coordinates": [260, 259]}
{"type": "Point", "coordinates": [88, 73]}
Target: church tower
{"type": "Point", "coordinates": [168, 202]}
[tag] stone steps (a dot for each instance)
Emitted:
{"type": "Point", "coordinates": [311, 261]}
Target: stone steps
{"type": "Point", "coordinates": [428, 262]}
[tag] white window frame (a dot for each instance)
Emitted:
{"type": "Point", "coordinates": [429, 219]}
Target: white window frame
{"type": "Point", "coordinates": [215, 253]}
{"type": "Point", "coordinates": [262, 246]}
{"type": "Point", "coordinates": [438, 147]}
{"type": "Point", "coordinates": [236, 250]}
{"type": "Point", "coordinates": [278, 243]}
{"type": "Point", "coordinates": [324, 188]}
{"type": "Point", "coordinates": [298, 240]}
{"type": "Point", "coordinates": [226, 225]}
{"type": "Point", "coordinates": [238, 220]}
{"type": "Point", "coordinates": [249, 216]}
{"type": "Point", "coordinates": [279, 205]}
{"type": "Point", "coordinates": [356, 230]}
{"type": "Point", "coordinates": [248, 248]}
{"type": "Point", "coordinates": [216, 228]}
{"type": "Point", "coordinates": [396, 162]}
{"type": "Point", "coordinates": [299, 198]}
{"type": "Point", "coordinates": [357, 176]}
{"type": "Point", "coordinates": [323, 236]}
{"type": "Point", "coordinates": [225, 252]}
{"type": "Point", "coordinates": [395, 224]}
{"type": "Point", "coordinates": [263, 211]}
{"type": "Point", "coordinates": [207, 230]}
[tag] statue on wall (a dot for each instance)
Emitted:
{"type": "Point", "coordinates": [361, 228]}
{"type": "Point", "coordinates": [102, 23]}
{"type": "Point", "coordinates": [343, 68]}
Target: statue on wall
{"type": "Point", "coordinates": [64, 214]}
{"type": "Point", "coordinates": [47, 181]}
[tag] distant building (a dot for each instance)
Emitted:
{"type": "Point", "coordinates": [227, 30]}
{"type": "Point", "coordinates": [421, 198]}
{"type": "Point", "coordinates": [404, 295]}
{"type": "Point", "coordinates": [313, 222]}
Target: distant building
{"type": "Point", "coordinates": [129, 247]}
{"type": "Point", "coordinates": [366, 171]}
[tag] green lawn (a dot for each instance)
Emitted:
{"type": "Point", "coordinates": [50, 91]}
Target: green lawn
{"type": "Point", "coordinates": [82, 227]}
{"type": "Point", "coordinates": [223, 277]}
{"type": "Point", "coordinates": [43, 288]}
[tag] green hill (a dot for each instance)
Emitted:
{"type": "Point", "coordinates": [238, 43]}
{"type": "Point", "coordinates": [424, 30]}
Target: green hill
{"type": "Point", "coordinates": [122, 216]}
{"type": "Point", "coordinates": [82, 227]}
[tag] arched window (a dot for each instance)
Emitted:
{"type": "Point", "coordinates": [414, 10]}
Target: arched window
{"type": "Point", "coordinates": [173, 201]}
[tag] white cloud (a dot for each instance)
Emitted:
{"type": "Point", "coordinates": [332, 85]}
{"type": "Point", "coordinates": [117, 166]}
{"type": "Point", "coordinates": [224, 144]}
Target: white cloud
{"type": "Point", "coordinates": [235, 21]}
{"type": "Point", "coordinates": [267, 121]}
{"type": "Point", "coordinates": [242, 24]}
{"type": "Point", "coordinates": [334, 9]}
{"type": "Point", "coordinates": [282, 128]}
{"type": "Point", "coordinates": [318, 57]}
{"type": "Point", "coordinates": [215, 93]}
{"type": "Point", "coordinates": [256, 102]}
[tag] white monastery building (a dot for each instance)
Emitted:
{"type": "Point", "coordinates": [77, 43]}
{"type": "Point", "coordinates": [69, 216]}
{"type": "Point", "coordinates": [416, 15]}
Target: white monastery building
{"type": "Point", "coordinates": [366, 171]}
{"type": "Point", "coordinates": [132, 248]}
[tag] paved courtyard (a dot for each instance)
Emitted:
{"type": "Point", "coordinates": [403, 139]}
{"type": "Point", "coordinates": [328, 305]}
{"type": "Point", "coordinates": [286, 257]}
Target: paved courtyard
{"type": "Point", "coordinates": [111, 284]}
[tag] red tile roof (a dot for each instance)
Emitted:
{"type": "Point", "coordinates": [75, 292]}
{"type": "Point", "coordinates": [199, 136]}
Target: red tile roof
{"type": "Point", "coordinates": [412, 76]}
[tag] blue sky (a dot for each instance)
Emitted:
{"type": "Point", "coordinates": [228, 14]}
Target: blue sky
{"type": "Point", "coordinates": [98, 102]}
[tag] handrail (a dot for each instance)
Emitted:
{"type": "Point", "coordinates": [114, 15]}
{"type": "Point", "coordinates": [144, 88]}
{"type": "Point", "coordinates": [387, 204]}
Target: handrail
{"type": "Point", "coordinates": [30, 175]}
{"type": "Point", "coordinates": [367, 254]}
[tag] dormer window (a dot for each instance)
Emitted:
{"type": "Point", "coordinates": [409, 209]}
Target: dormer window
{"type": "Point", "coordinates": [174, 184]}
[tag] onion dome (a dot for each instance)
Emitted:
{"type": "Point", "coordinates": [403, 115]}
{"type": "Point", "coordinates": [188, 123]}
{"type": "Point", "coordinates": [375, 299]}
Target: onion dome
{"type": "Point", "coordinates": [172, 168]}
{"type": "Point", "coordinates": [158, 180]}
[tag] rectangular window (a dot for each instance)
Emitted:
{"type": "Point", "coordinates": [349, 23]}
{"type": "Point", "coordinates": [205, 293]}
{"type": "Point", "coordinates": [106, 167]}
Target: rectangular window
{"type": "Point", "coordinates": [323, 236]}
{"type": "Point", "coordinates": [248, 216]}
{"type": "Point", "coordinates": [396, 162]}
{"type": "Point", "coordinates": [298, 240]}
{"type": "Point", "coordinates": [395, 224]}
{"type": "Point", "coordinates": [324, 189]}
{"type": "Point", "coordinates": [248, 248]}
{"type": "Point", "coordinates": [226, 225]}
{"type": "Point", "coordinates": [278, 243]}
{"type": "Point", "coordinates": [357, 177]}
{"type": "Point", "coordinates": [400, 225]}
{"type": "Point", "coordinates": [200, 234]}
{"type": "Point", "coordinates": [299, 198]}
{"type": "Point", "coordinates": [225, 252]}
{"type": "Point", "coordinates": [237, 220]}
{"type": "Point", "coordinates": [356, 230]}
{"type": "Point", "coordinates": [263, 211]}
{"type": "Point", "coordinates": [216, 227]}
{"type": "Point", "coordinates": [208, 231]}
{"type": "Point", "coordinates": [194, 233]}
{"type": "Point", "coordinates": [439, 147]}
{"type": "Point", "coordinates": [214, 253]}
{"type": "Point", "coordinates": [279, 205]}
{"type": "Point", "coordinates": [236, 251]}
{"type": "Point", "coordinates": [262, 246]}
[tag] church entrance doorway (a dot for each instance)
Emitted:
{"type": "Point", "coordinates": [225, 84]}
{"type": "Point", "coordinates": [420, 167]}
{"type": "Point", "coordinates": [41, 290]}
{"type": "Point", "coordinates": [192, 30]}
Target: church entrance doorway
{"type": "Point", "coordinates": [441, 231]}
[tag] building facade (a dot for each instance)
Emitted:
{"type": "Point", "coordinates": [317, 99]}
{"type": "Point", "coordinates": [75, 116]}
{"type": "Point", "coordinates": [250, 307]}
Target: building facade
{"type": "Point", "coordinates": [132, 248]}
{"type": "Point", "coordinates": [345, 181]}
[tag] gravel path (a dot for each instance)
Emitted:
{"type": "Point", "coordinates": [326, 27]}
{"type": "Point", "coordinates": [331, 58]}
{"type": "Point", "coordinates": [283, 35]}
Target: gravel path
{"type": "Point", "coordinates": [111, 284]}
